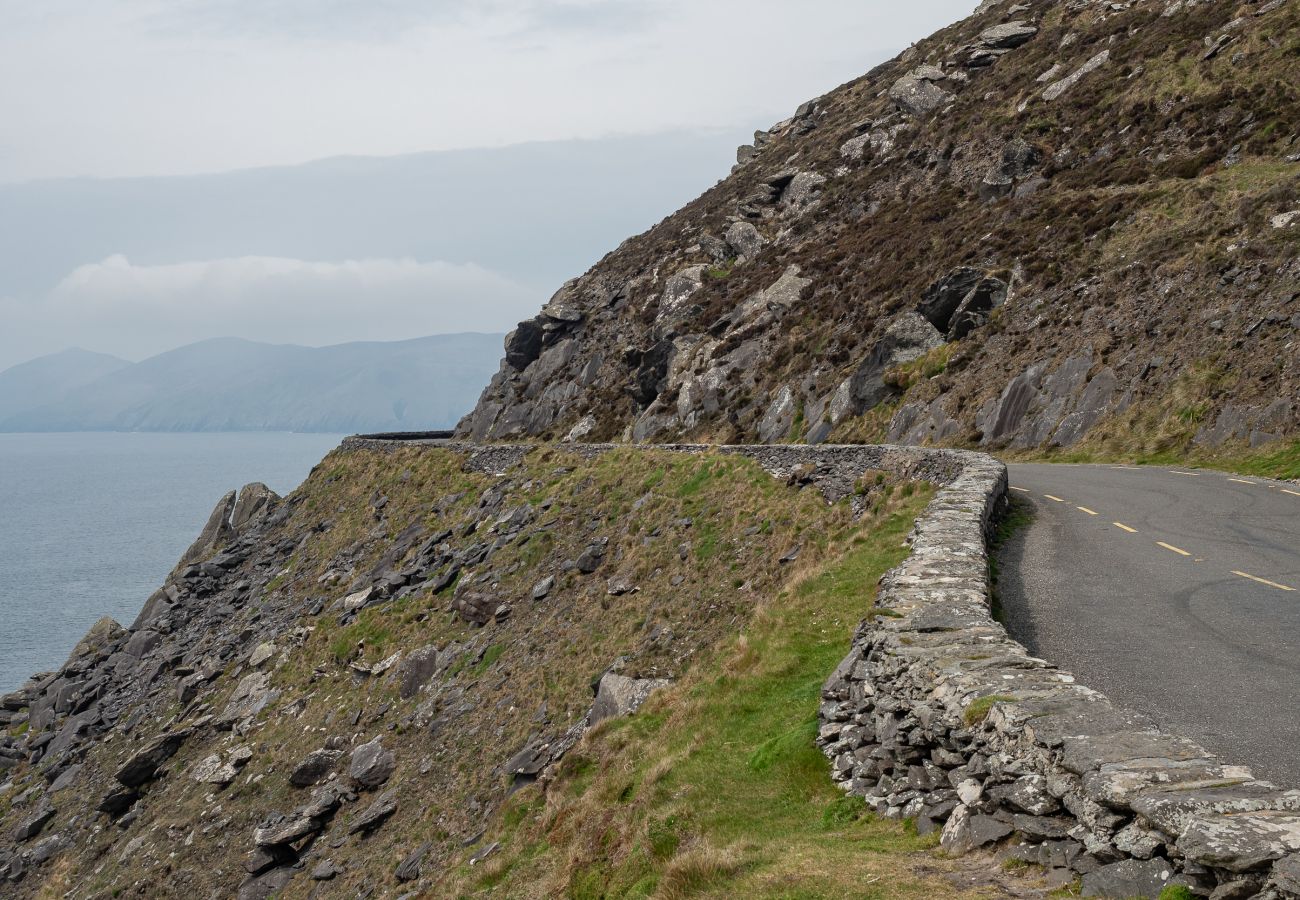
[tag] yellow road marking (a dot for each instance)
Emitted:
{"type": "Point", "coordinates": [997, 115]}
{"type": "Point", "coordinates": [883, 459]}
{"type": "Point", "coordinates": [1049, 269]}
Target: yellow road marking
{"type": "Point", "coordinates": [1180, 552]}
{"type": "Point", "coordinates": [1241, 481]}
{"type": "Point", "coordinates": [1022, 490]}
{"type": "Point", "coordinates": [1124, 527]}
{"type": "Point", "coordinates": [1050, 497]}
{"type": "Point", "coordinates": [1272, 584]}
{"type": "Point", "coordinates": [1292, 493]}
{"type": "Point", "coordinates": [1177, 472]}
{"type": "Point", "coordinates": [1134, 468]}
{"type": "Point", "coordinates": [1085, 509]}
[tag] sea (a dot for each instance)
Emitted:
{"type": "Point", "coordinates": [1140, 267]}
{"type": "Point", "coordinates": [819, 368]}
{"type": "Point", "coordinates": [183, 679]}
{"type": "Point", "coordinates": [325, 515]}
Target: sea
{"type": "Point", "coordinates": [91, 523]}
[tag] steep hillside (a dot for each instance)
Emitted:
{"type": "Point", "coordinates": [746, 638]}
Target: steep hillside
{"type": "Point", "coordinates": [48, 378]}
{"type": "Point", "coordinates": [1049, 221]}
{"type": "Point", "coordinates": [229, 384]}
{"type": "Point", "coordinates": [411, 677]}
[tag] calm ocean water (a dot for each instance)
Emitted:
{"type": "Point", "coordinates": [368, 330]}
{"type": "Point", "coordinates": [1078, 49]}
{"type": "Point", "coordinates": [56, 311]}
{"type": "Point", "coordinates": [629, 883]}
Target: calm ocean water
{"type": "Point", "coordinates": [90, 524]}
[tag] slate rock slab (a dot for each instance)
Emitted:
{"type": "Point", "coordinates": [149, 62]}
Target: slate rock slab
{"type": "Point", "coordinates": [1129, 878]}
{"type": "Point", "coordinates": [372, 765]}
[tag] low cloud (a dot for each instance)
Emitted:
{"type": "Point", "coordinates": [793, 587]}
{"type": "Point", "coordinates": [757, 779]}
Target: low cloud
{"type": "Point", "coordinates": [138, 310]}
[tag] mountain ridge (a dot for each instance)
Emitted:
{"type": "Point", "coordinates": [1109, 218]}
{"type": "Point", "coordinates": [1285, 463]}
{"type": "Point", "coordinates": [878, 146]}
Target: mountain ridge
{"type": "Point", "coordinates": [235, 384]}
{"type": "Point", "coordinates": [1046, 223]}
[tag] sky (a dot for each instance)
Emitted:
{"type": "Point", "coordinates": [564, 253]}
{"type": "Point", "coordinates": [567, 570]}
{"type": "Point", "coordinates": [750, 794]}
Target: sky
{"type": "Point", "coordinates": [110, 90]}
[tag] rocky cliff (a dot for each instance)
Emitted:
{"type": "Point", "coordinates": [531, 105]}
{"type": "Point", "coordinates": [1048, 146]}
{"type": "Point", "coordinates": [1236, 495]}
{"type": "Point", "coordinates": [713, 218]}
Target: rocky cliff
{"type": "Point", "coordinates": [362, 688]}
{"type": "Point", "coordinates": [1051, 220]}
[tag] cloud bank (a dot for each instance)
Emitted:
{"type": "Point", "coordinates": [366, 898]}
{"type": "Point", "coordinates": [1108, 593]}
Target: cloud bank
{"type": "Point", "coordinates": [138, 310]}
{"type": "Point", "coordinates": [152, 87]}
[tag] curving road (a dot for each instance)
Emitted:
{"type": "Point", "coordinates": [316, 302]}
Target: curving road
{"type": "Point", "coordinates": [1174, 591]}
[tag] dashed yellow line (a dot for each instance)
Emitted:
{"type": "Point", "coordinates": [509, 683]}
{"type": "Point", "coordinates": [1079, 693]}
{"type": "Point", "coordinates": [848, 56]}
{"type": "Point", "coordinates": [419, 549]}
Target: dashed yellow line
{"type": "Point", "coordinates": [1122, 527]}
{"type": "Point", "coordinates": [1272, 584]}
{"type": "Point", "coordinates": [1292, 493]}
{"type": "Point", "coordinates": [1133, 468]}
{"type": "Point", "coordinates": [1050, 497]}
{"type": "Point", "coordinates": [1177, 550]}
{"type": "Point", "coordinates": [1085, 509]}
{"type": "Point", "coordinates": [1179, 472]}
{"type": "Point", "coordinates": [1022, 490]}
{"type": "Point", "coordinates": [1242, 481]}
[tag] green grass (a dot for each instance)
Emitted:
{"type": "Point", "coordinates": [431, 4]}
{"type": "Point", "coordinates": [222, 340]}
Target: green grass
{"type": "Point", "coordinates": [1280, 460]}
{"type": "Point", "coordinates": [979, 709]}
{"type": "Point", "coordinates": [716, 788]}
{"type": "Point", "coordinates": [490, 655]}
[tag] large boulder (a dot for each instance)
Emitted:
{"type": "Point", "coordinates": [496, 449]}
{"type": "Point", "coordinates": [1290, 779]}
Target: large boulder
{"type": "Point", "coordinates": [618, 695]}
{"type": "Point", "coordinates": [416, 669]}
{"type": "Point", "coordinates": [917, 93]}
{"type": "Point", "coordinates": [144, 763]}
{"type": "Point", "coordinates": [313, 767]}
{"type": "Point", "coordinates": [1008, 35]}
{"type": "Point", "coordinates": [371, 764]}
{"type": "Point", "coordinates": [744, 240]}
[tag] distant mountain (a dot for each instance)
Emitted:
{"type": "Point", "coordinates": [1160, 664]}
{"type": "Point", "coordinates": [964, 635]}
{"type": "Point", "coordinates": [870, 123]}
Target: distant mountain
{"type": "Point", "coordinates": [48, 378]}
{"type": "Point", "coordinates": [230, 384]}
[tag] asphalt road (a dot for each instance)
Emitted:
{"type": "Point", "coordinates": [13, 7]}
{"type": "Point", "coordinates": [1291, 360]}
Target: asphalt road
{"type": "Point", "coordinates": [1176, 592]}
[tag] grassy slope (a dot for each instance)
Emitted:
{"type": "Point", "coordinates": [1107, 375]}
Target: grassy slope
{"type": "Point", "coordinates": [715, 788]}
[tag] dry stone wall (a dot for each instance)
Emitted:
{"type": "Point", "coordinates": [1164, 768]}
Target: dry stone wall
{"type": "Point", "coordinates": [938, 715]}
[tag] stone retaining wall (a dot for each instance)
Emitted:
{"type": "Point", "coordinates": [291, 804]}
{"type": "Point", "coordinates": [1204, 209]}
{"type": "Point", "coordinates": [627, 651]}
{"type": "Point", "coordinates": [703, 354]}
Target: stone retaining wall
{"type": "Point", "coordinates": [938, 715]}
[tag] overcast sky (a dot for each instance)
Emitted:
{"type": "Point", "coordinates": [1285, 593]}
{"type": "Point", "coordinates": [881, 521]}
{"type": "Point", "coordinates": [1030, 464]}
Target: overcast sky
{"type": "Point", "coordinates": [121, 88]}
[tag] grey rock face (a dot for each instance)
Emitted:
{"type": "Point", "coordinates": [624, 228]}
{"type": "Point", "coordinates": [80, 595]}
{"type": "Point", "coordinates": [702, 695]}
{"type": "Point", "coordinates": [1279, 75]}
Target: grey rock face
{"type": "Point", "coordinates": [325, 870]}
{"type": "Point", "coordinates": [590, 559]}
{"type": "Point", "coordinates": [802, 191]}
{"type": "Point", "coordinates": [779, 417]}
{"type": "Point", "coordinates": [416, 669]}
{"type": "Point", "coordinates": [907, 337]}
{"type": "Point", "coordinates": [215, 533]}
{"type": "Point", "coordinates": [409, 868]}
{"type": "Point", "coordinates": [371, 764]}
{"type": "Point", "coordinates": [618, 695]}
{"type": "Point", "coordinates": [314, 767]}
{"type": "Point", "coordinates": [255, 501]}
{"type": "Point", "coordinates": [1007, 35]}
{"type": "Point", "coordinates": [143, 765]}
{"type": "Point", "coordinates": [678, 292]}
{"type": "Point", "coordinates": [917, 93]}
{"type": "Point", "coordinates": [744, 240]}
{"type": "Point", "coordinates": [266, 885]}
{"type": "Point", "coordinates": [1057, 88]}
{"type": "Point", "coordinates": [543, 588]}
{"type": "Point", "coordinates": [278, 829]}
{"type": "Point", "coordinates": [375, 814]}
{"type": "Point", "coordinates": [524, 345]}
{"type": "Point", "coordinates": [1128, 878]}
{"type": "Point", "coordinates": [32, 825]}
